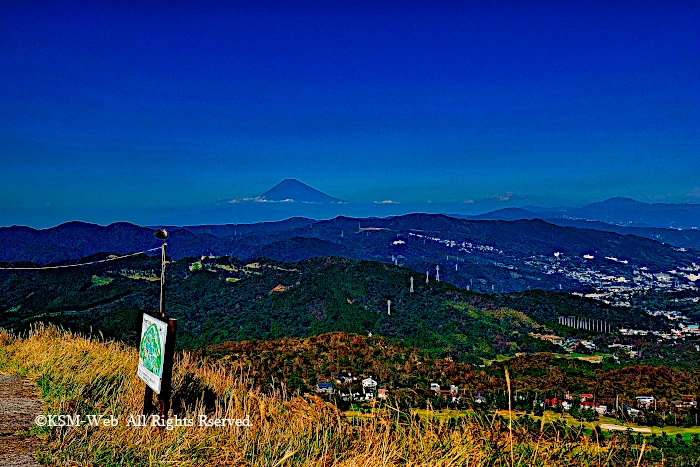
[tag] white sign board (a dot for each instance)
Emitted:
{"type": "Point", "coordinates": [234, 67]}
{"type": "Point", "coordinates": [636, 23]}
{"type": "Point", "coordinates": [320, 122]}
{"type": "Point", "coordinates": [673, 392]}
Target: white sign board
{"type": "Point", "coordinates": [152, 351]}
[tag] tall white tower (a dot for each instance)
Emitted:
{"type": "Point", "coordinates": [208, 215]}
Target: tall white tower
{"type": "Point", "coordinates": [427, 277]}
{"type": "Point", "coordinates": [388, 307]}
{"type": "Point", "coordinates": [437, 273]}
{"type": "Point", "coordinates": [411, 284]}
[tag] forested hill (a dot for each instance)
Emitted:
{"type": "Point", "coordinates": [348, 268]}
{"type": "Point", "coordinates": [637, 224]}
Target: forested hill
{"type": "Point", "coordinates": [222, 299]}
{"type": "Point", "coordinates": [301, 363]}
{"type": "Point", "coordinates": [486, 256]}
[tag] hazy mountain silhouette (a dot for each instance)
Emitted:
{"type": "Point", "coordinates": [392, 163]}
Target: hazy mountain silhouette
{"type": "Point", "coordinates": [292, 190]}
{"type": "Point", "coordinates": [628, 212]}
{"type": "Point", "coordinates": [587, 218]}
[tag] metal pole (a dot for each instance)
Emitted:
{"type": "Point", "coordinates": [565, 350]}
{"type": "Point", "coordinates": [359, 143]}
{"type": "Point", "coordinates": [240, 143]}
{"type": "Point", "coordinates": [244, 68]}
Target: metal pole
{"type": "Point", "coordinates": [161, 400]}
{"type": "Point", "coordinates": [148, 401]}
{"type": "Point", "coordinates": [164, 396]}
{"type": "Point", "coordinates": [162, 280]}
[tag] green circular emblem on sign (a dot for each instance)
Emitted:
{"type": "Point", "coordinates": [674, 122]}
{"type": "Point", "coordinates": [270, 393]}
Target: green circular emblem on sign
{"type": "Point", "coordinates": [150, 351]}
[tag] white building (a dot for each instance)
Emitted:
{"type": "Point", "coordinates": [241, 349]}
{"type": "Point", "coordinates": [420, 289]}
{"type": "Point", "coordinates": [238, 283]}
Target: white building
{"type": "Point", "coordinates": [645, 401]}
{"type": "Point", "coordinates": [369, 383]}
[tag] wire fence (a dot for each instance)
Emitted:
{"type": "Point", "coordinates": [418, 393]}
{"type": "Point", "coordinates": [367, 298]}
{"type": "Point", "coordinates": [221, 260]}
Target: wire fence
{"type": "Point", "coordinates": [80, 264]}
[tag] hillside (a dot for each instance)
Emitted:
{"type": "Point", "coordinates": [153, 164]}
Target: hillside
{"type": "Point", "coordinates": [486, 256]}
{"type": "Point", "coordinates": [686, 238]}
{"type": "Point", "coordinates": [629, 212]}
{"type": "Point", "coordinates": [234, 230]}
{"type": "Point", "coordinates": [500, 255]}
{"type": "Point", "coordinates": [223, 299]}
{"type": "Point", "coordinates": [282, 430]}
{"type": "Point", "coordinates": [300, 363]}
{"type": "Point", "coordinates": [75, 240]}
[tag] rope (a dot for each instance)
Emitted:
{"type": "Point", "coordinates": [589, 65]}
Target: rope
{"type": "Point", "coordinates": [79, 264]}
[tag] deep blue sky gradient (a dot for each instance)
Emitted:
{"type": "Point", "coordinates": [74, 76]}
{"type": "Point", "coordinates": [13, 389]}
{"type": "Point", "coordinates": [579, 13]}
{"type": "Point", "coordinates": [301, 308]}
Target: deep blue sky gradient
{"type": "Point", "coordinates": [134, 107]}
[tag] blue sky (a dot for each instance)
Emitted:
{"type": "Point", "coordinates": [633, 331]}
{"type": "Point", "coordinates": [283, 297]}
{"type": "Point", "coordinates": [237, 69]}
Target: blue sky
{"type": "Point", "coordinates": [135, 107]}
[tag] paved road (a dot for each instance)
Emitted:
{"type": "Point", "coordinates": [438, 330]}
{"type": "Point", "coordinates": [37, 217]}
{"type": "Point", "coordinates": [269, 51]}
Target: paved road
{"type": "Point", "coordinates": [19, 404]}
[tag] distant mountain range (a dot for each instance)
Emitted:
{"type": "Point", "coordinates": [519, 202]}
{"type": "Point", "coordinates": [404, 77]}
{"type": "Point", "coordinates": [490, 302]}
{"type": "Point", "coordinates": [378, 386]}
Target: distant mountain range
{"type": "Point", "coordinates": [686, 237]}
{"type": "Point", "coordinates": [483, 255]}
{"type": "Point", "coordinates": [292, 198]}
{"type": "Point", "coordinates": [622, 212]}
{"type": "Point", "coordinates": [509, 249]}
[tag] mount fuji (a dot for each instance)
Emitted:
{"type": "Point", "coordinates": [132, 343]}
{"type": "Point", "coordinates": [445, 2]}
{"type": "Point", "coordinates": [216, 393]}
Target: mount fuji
{"type": "Point", "coordinates": [292, 190]}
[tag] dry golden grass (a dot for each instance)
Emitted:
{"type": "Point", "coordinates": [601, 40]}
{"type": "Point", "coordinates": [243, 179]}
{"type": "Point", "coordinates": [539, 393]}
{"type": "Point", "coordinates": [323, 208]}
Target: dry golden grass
{"type": "Point", "coordinates": [80, 375]}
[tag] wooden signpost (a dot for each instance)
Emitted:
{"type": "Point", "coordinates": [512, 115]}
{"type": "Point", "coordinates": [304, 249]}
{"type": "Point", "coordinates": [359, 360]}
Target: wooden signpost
{"type": "Point", "coordinates": [155, 368]}
{"type": "Point", "coordinates": [157, 350]}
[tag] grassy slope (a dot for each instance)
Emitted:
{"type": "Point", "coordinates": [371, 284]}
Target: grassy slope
{"type": "Point", "coordinates": [82, 376]}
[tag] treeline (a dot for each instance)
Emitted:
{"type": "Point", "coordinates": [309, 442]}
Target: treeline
{"type": "Point", "coordinates": [302, 363]}
{"type": "Point", "coordinates": [408, 372]}
{"type": "Point", "coordinates": [223, 299]}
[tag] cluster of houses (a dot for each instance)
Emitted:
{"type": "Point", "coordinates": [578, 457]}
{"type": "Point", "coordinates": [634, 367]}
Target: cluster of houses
{"type": "Point", "coordinates": [683, 330]}
{"type": "Point", "coordinates": [365, 390]}
{"type": "Point", "coordinates": [567, 343]}
{"type": "Point", "coordinates": [451, 394]}
{"type": "Point", "coordinates": [683, 327]}
{"type": "Point", "coordinates": [641, 403]}
{"type": "Point", "coordinates": [648, 402]}
{"type": "Point", "coordinates": [369, 390]}
{"type": "Point", "coordinates": [572, 344]}
{"type": "Point", "coordinates": [685, 403]}
{"type": "Point", "coordinates": [623, 349]}
{"type": "Point", "coordinates": [587, 402]}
